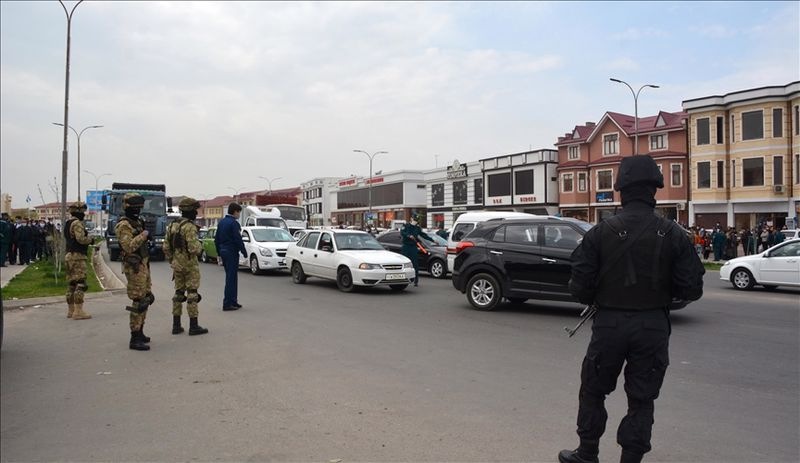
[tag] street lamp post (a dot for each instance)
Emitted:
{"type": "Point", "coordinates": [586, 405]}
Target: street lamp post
{"type": "Point", "coordinates": [269, 182]}
{"type": "Point", "coordinates": [96, 183]}
{"type": "Point", "coordinates": [66, 115]}
{"type": "Point", "coordinates": [78, 134]}
{"type": "Point", "coordinates": [369, 179]}
{"type": "Point", "coordinates": [635, 110]}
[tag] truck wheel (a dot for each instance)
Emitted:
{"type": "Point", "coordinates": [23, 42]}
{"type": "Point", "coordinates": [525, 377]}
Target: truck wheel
{"type": "Point", "coordinates": [484, 292]}
{"type": "Point", "coordinates": [298, 275]}
{"type": "Point", "coordinates": [113, 254]}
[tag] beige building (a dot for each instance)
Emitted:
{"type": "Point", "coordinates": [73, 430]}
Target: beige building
{"type": "Point", "coordinates": [744, 156]}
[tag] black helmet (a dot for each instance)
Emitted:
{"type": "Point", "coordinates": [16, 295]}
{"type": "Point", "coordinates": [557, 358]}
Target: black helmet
{"type": "Point", "coordinates": [637, 170]}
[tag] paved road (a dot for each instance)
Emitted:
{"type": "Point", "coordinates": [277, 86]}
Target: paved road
{"type": "Point", "coordinates": [308, 373]}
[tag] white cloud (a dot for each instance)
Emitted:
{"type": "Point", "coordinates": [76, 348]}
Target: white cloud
{"type": "Point", "coordinates": [635, 33]}
{"type": "Point", "coordinates": [714, 31]}
{"type": "Point", "coordinates": [622, 64]}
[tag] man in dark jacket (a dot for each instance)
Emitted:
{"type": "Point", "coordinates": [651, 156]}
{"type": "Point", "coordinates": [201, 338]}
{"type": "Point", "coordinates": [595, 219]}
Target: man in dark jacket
{"type": "Point", "coordinates": [411, 234]}
{"type": "Point", "coordinates": [228, 241]}
{"type": "Point", "coordinates": [633, 267]}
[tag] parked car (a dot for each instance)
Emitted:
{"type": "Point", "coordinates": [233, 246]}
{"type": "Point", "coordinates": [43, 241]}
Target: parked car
{"type": "Point", "coordinates": [777, 266]}
{"type": "Point", "coordinates": [351, 258]}
{"type": "Point", "coordinates": [266, 248]}
{"type": "Point", "coordinates": [791, 234]}
{"type": "Point", "coordinates": [209, 253]}
{"type": "Point", "coordinates": [299, 234]}
{"type": "Point", "coordinates": [434, 262]}
{"type": "Point", "coordinates": [517, 259]}
{"type": "Point", "coordinates": [467, 222]}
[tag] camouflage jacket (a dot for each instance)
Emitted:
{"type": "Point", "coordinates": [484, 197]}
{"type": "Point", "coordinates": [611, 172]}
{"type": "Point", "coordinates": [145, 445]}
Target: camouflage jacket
{"type": "Point", "coordinates": [181, 244]}
{"type": "Point", "coordinates": [77, 231]}
{"type": "Point", "coordinates": [132, 239]}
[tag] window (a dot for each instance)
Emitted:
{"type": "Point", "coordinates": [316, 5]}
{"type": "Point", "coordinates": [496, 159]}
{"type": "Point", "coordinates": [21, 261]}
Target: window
{"type": "Point", "coordinates": [561, 236]}
{"type": "Point", "coordinates": [720, 174]}
{"type": "Point", "coordinates": [382, 195]}
{"type": "Point", "coordinates": [581, 181]}
{"type": "Point", "coordinates": [460, 192]}
{"type": "Point", "coordinates": [677, 175]}
{"type": "Point", "coordinates": [461, 230]}
{"type": "Point", "coordinates": [325, 240]}
{"type": "Point", "coordinates": [605, 180]}
{"type": "Point", "coordinates": [311, 240]}
{"type": "Point", "coordinates": [797, 168]}
{"type": "Point", "coordinates": [753, 172]}
{"type": "Point", "coordinates": [523, 182]}
{"type": "Point", "coordinates": [733, 128]}
{"type": "Point", "coordinates": [523, 234]}
{"type": "Point", "coordinates": [437, 194]}
{"type": "Point", "coordinates": [797, 120]}
{"type": "Point", "coordinates": [574, 152]}
{"type": "Point", "coordinates": [610, 144]}
{"type": "Point", "coordinates": [658, 142]}
{"type": "Point", "coordinates": [720, 136]}
{"type": "Point", "coordinates": [733, 173]}
{"type": "Point", "coordinates": [777, 122]}
{"type": "Point", "coordinates": [499, 184]}
{"type": "Point", "coordinates": [703, 175]}
{"type": "Point", "coordinates": [478, 191]}
{"type": "Point", "coordinates": [703, 137]}
{"type": "Point", "coordinates": [777, 170]}
{"type": "Point", "coordinates": [566, 183]}
{"type": "Point", "coordinates": [753, 125]}
{"type": "Point", "coordinates": [787, 250]}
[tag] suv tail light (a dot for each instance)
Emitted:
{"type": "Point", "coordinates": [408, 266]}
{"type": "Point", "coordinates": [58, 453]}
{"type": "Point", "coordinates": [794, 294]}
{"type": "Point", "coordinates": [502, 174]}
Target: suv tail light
{"type": "Point", "coordinates": [463, 245]}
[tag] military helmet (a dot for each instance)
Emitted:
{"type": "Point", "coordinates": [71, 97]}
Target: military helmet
{"type": "Point", "coordinates": [132, 200]}
{"type": "Point", "coordinates": [77, 206]}
{"type": "Point", "coordinates": [637, 170]}
{"type": "Point", "coordinates": [188, 204]}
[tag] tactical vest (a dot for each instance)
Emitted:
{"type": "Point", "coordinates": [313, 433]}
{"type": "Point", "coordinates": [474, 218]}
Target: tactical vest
{"type": "Point", "coordinates": [177, 241]}
{"type": "Point", "coordinates": [641, 278]}
{"type": "Point", "coordinates": [138, 228]}
{"type": "Point", "coordinates": [71, 242]}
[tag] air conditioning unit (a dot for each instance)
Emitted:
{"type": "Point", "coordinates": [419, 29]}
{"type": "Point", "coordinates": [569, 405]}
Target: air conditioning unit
{"type": "Point", "coordinates": [679, 206]}
{"type": "Point", "coordinates": [778, 188]}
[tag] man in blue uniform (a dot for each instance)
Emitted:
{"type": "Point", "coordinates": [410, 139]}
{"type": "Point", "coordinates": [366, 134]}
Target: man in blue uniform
{"type": "Point", "coordinates": [410, 234]}
{"type": "Point", "coordinates": [229, 244]}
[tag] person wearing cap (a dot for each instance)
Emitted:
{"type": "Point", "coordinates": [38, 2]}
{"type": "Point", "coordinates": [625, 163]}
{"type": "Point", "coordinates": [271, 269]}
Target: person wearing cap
{"type": "Point", "coordinates": [135, 255]}
{"type": "Point", "coordinates": [633, 267]}
{"type": "Point", "coordinates": [182, 247]}
{"type": "Point", "coordinates": [77, 246]}
{"type": "Point", "coordinates": [410, 235]}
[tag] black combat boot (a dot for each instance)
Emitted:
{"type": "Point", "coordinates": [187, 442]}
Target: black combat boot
{"type": "Point", "coordinates": [145, 339]}
{"type": "Point", "coordinates": [176, 324]}
{"type": "Point", "coordinates": [585, 453]}
{"type": "Point", "coordinates": [630, 457]}
{"type": "Point", "coordinates": [136, 341]}
{"type": "Point", "coordinates": [194, 328]}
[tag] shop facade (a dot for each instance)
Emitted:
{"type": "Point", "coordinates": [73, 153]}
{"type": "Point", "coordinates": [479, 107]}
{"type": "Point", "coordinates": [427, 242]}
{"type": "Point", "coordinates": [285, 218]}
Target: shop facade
{"type": "Point", "coordinates": [521, 182]}
{"type": "Point", "coordinates": [451, 191]}
{"type": "Point", "coordinates": [394, 196]}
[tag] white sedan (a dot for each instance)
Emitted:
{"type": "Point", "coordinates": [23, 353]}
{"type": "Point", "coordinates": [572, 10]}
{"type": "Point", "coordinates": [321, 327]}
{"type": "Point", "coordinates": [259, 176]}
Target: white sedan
{"type": "Point", "coordinates": [266, 248]}
{"type": "Point", "coordinates": [351, 258]}
{"type": "Point", "coordinates": [777, 266]}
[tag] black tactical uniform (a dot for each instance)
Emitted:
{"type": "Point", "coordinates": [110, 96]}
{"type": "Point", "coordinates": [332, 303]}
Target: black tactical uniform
{"type": "Point", "coordinates": [634, 267]}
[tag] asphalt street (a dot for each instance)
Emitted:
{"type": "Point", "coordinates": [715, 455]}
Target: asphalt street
{"type": "Point", "coordinates": [307, 373]}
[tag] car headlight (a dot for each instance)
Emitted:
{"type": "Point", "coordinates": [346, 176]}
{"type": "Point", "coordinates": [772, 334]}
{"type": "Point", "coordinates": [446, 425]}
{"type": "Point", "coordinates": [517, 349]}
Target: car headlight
{"type": "Point", "coordinates": [159, 240]}
{"type": "Point", "coordinates": [369, 267]}
{"type": "Point", "coordinates": [265, 252]}
{"type": "Point", "coordinates": [408, 265]}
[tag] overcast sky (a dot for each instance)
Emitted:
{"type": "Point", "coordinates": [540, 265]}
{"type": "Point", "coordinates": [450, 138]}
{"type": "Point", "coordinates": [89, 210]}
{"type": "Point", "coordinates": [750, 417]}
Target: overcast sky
{"type": "Point", "coordinates": [210, 95]}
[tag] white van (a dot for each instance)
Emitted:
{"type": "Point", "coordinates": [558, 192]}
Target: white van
{"type": "Point", "coordinates": [467, 222]}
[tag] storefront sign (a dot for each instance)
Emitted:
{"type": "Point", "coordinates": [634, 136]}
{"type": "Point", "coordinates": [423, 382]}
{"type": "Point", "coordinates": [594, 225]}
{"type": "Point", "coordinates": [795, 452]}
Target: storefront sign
{"type": "Point", "coordinates": [527, 199]}
{"type": "Point", "coordinates": [498, 200]}
{"type": "Point", "coordinates": [374, 180]}
{"type": "Point", "coordinates": [457, 170]}
{"type": "Point", "coordinates": [605, 197]}
{"type": "Point", "coordinates": [349, 181]}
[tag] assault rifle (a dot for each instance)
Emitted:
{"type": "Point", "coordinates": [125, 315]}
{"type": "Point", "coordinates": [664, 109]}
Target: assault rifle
{"type": "Point", "coordinates": [587, 314]}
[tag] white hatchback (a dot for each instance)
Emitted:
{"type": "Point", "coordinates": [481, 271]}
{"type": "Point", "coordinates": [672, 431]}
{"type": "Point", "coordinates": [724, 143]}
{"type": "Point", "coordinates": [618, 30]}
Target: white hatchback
{"type": "Point", "coordinates": [266, 248]}
{"type": "Point", "coordinates": [777, 266]}
{"type": "Point", "coordinates": [351, 258]}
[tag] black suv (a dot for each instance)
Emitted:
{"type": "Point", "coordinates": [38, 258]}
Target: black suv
{"type": "Point", "coordinates": [517, 259]}
{"type": "Point", "coordinates": [435, 262]}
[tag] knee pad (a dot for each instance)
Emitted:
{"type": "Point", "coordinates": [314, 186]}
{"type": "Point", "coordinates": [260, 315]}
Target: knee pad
{"type": "Point", "coordinates": [150, 298]}
{"type": "Point", "coordinates": [179, 297]}
{"type": "Point", "coordinates": [81, 285]}
{"type": "Point", "coordinates": [194, 297]}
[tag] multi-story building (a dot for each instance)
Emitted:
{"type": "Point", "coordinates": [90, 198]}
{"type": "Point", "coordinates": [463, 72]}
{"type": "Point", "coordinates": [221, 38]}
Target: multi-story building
{"type": "Point", "coordinates": [50, 211]}
{"type": "Point", "coordinates": [453, 190]}
{"type": "Point", "coordinates": [5, 203]}
{"type": "Point", "coordinates": [213, 210]}
{"type": "Point", "coordinates": [745, 156]}
{"type": "Point", "coordinates": [521, 182]}
{"type": "Point", "coordinates": [316, 200]}
{"type": "Point", "coordinates": [589, 157]}
{"type": "Point", "coordinates": [394, 196]}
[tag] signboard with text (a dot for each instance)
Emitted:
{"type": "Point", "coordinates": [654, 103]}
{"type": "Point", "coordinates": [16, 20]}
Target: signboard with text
{"type": "Point", "coordinates": [605, 197]}
{"type": "Point", "coordinates": [94, 199]}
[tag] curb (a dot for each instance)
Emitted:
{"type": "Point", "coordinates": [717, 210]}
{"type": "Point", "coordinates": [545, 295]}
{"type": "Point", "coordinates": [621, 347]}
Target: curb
{"type": "Point", "coordinates": [32, 301]}
{"type": "Point", "coordinates": [107, 278]}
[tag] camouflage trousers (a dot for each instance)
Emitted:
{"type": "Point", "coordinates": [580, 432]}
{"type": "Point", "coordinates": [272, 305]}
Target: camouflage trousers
{"type": "Point", "coordinates": [139, 286]}
{"type": "Point", "coordinates": [76, 276]}
{"type": "Point", "coordinates": [186, 283]}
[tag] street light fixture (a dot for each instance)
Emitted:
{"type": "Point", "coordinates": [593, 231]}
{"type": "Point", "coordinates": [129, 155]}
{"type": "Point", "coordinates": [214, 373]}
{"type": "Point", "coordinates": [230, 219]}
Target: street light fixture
{"type": "Point", "coordinates": [369, 180]}
{"type": "Point", "coordinates": [96, 183]}
{"type": "Point", "coordinates": [66, 115]}
{"type": "Point", "coordinates": [269, 182]}
{"type": "Point", "coordinates": [635, 110]}
{"type": "Point", "coordinates": [78, 134]}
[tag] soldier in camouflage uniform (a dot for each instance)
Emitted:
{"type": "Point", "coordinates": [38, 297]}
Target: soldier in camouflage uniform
{"type": "Point", "coordinates": [182, 247]}
{"type": "Point", "coordinates": [133, 241]}
{"type": "Point", "coordinates": [77, 243]}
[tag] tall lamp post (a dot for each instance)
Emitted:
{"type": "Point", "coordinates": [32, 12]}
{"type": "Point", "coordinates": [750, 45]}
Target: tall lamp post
{"type": "Point", "coordinates": [369, 179]}
{"type": "Point", "coordinates": [66, 116]}
{"type": "Point", "coordinates": [635, 110]}
{"type": "Point", "coordinates": [269, 182]}
{"type": "Point", "coordinates": [96, 183]}
{"type": "Point", "coordinates": [78, 134]}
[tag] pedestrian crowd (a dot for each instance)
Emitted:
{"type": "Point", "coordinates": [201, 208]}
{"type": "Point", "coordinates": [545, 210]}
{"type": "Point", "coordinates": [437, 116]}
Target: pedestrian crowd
{"type": "Point", "coordinates": [726, 243]}
{"type": "Point", "coordinates": [25, 240]}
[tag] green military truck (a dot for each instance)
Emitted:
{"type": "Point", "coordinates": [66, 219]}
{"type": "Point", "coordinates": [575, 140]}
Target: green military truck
{"type": "Point", "coordinates": [154, 214]}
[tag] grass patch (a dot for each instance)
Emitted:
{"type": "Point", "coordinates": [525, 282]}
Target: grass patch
{"type": "Point", "coordinates": [712, 266]}
{"type": "Point", "coordinates": [38, 281]}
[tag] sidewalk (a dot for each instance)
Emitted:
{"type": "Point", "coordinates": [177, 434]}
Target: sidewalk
{"type": "Point", "coordinates": [8, 272]}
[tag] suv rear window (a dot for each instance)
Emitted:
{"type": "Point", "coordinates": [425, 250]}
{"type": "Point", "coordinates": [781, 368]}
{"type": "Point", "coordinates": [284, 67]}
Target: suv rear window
{"type": "Point", "coordinates": [461, 230]}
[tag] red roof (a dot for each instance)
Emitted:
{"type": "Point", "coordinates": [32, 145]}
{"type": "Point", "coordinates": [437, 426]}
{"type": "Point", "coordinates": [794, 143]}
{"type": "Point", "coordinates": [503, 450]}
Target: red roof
{"type": "Point", "coordinates": [628, 125]}
{"type": "Point", "coordinates": [218, 201]}
{"type": "Point", "coordinates": [583, 133]}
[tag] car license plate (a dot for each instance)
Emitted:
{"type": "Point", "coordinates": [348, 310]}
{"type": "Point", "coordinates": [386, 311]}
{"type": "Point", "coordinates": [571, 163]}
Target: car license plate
{"type": "Point", "coordinates": [395, 276]}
